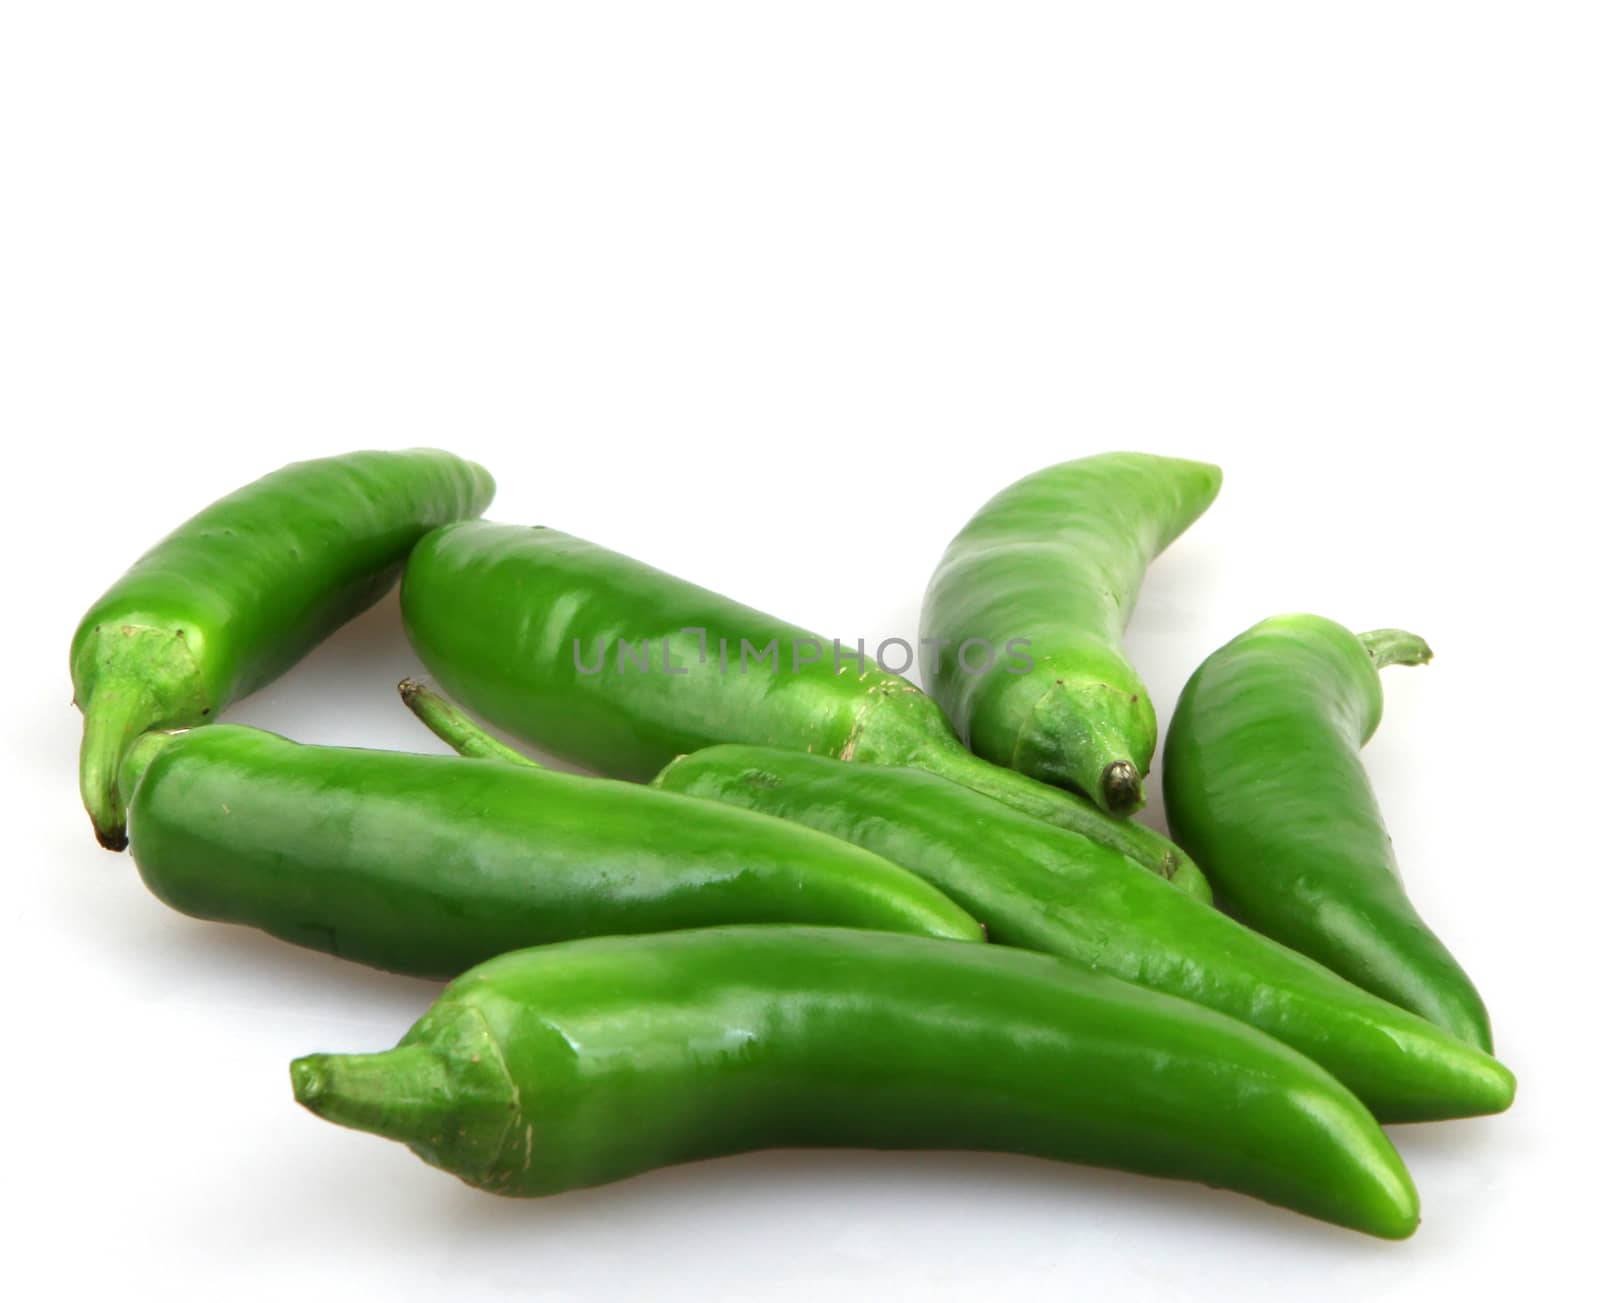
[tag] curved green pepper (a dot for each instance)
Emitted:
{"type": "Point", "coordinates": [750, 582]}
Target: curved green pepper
{"type": "Point", "coordinates": [1054, 563]}
{"type": "Point", "coordinates": [236, 595]}
{"type": "Point", "coordinates": [1264, 784]}
{"type": "Point", "coordinates": [620, 667]}
{"type": "Point", "coordinates": [572, 1065]}
{"type": "Point", "coordinates": [430, 864]}
{"type": "Point", "coordinates": [1051, 890]}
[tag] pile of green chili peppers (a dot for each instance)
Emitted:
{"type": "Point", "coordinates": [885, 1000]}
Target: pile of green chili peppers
{"type": "Point", "coordinates": [800, 901]}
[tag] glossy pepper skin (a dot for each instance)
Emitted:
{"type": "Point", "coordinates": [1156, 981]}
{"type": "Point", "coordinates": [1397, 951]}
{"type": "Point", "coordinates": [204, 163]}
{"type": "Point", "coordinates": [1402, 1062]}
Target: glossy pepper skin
{"type": "Point", "coordinates": [578, 1064]}
{"type": "Point", "coordinates": [523, 626]}
{"type": "Point", "coordinates": [240, 592]}
{"type": "Point", "coordinates": [430, 864]}
{"type": "Point", "coordinates": [1056, 560]}
{"type": "Point", "coordinates": [1264, 784]}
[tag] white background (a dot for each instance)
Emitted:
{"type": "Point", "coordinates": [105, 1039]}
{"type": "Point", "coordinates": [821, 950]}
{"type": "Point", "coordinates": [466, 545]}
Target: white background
{"type": "Point", "coordinates": [774, 297]}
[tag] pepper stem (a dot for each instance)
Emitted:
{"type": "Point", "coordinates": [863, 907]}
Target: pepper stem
{"type": "Point", "coordinates": [397, 1093]}
{"type": "Point", "coordinates": [450, 724]}
{"type": "Point", "coordinates": [1395, 647]}
{"type": "Point", "coordinates": [136, 759]}
{"type": "Point", "coordinates": [114, 716]}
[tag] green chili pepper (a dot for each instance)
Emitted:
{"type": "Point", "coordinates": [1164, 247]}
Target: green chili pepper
{"type": "Point", "coordinates": [1264, 783]}
{"type": "Point", "coordinates": [620, 667]}
{"type": "Point", "coordinates": [1046, 575]}
{"type": "Point", "coordinates": [236, 595]}
{"type": "Point", "coordinates": [573, 1065]}
{"type": "Point", "coordinates": [430, 864]}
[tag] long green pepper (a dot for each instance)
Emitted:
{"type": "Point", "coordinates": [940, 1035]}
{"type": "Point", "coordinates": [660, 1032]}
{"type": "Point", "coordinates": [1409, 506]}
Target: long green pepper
{"type": "Point", "coordinates": [1053, 564]}
{"type": "Point", "coordinates": [1264, 784]}
{"type": "Point", "coordinates": [430, 864]}
{"type": "Point", "coordinates": [576, 1064]}
{"type": "Point", "coordinates": [240, 592]}
{"type": "Point", "coordinates": [620, 667]}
